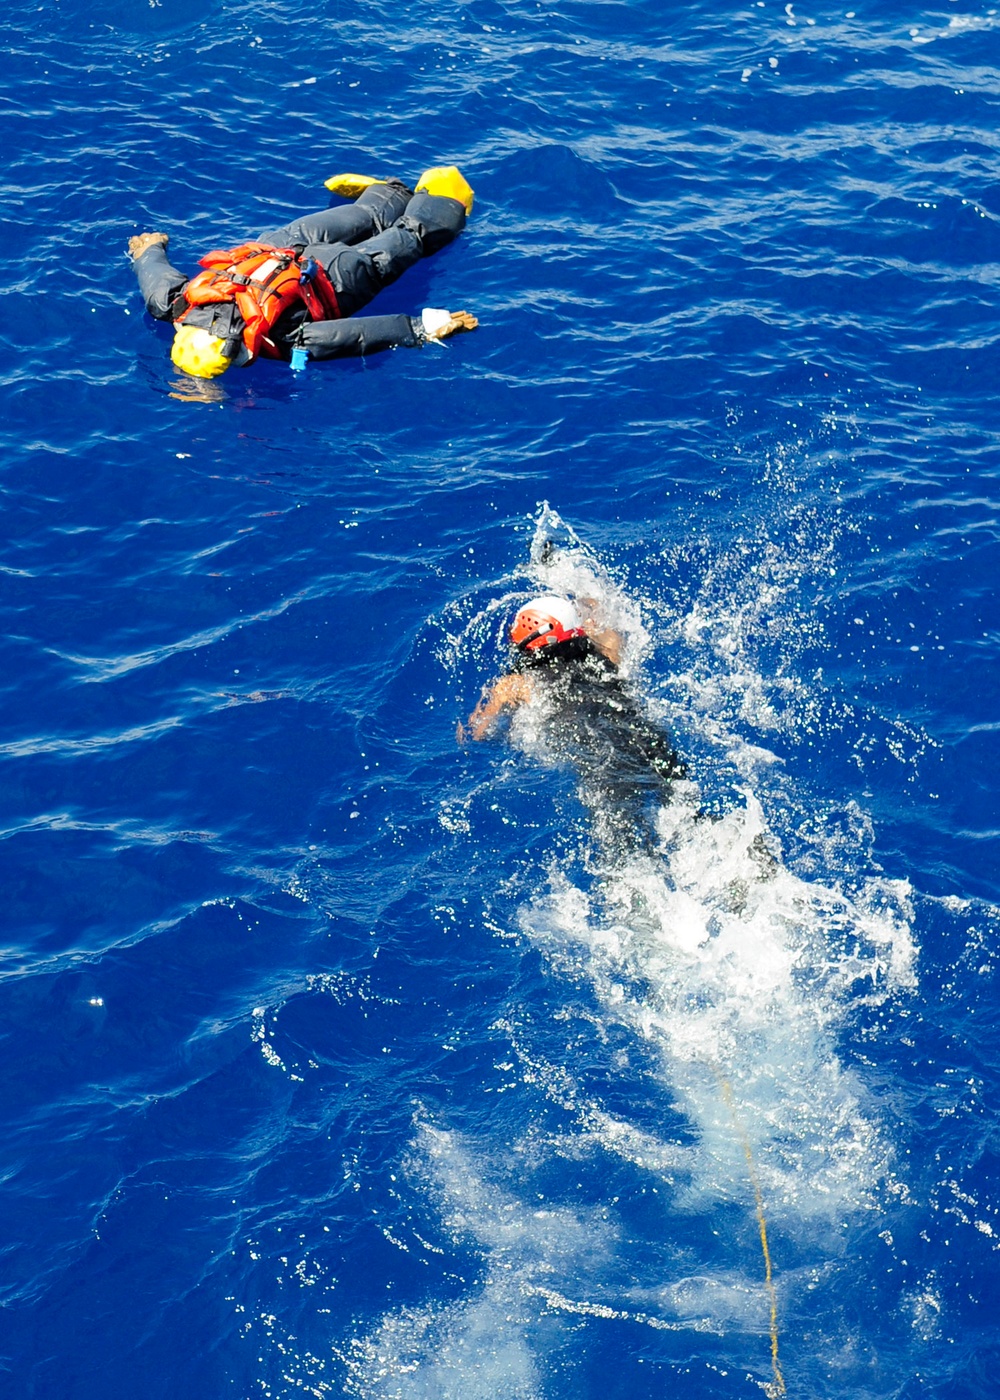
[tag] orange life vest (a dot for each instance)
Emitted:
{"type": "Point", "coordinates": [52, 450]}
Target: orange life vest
{"type": "Point", "coordinates": [263, 281]}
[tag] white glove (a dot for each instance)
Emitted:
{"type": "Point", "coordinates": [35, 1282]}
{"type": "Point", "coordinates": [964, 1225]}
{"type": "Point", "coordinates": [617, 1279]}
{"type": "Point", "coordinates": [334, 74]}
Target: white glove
{"type": "Point", "coordinates": [437, 324]}
{"type": "Point", "coordinates": [434, 320]}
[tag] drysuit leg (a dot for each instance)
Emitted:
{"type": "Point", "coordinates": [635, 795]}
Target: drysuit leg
{"type": "Point", "coordinates": [360, 272]}
{"type": "Point", "coordinates": [159, 281]}
{"type": "Point", "coordinates": [378, 207]}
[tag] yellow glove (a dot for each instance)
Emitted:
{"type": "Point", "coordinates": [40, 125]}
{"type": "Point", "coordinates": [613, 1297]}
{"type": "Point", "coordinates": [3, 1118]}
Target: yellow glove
{"type": "Point", "coordinates": [438, 323]}
{"type": "Point", "coordinates": [447, 180]}
{"type": "Point", "coordinates": [350, 186]}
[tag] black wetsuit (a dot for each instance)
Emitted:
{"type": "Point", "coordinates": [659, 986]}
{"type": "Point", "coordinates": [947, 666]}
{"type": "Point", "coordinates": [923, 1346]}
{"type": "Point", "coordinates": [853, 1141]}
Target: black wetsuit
{"type": "Point", "coordinates": [362, 246]}
{"type": "Point", "coordinates": [625, 763]}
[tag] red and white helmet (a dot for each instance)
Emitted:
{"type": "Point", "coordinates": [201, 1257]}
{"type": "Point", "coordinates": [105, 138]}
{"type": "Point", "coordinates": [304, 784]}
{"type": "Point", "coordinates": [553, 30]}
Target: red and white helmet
{"type": "Point", "coordinates": [545, 622]}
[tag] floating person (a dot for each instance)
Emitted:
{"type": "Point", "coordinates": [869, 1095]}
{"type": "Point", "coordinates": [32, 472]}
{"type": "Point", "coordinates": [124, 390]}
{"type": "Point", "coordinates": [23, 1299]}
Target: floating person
{"type": "Point", "coordinates": [568, 667]}
{"type": "Point", "coordinates": [292, 294]}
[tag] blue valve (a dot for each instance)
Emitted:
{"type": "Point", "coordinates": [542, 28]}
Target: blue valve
{"type": "Point", "coordinates": [300, 358]}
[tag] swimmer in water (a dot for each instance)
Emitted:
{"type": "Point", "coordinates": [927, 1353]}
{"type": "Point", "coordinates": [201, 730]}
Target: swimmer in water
{"type": "Point", "coordinates": [293, 293]}
{"type": "Point", "coordinates": [569, 667]}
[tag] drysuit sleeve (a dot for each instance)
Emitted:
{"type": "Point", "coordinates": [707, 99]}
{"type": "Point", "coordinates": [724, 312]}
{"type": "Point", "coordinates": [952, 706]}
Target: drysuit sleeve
{"type": "Point", "coordinates": [159, 281]}
{"type": "Point", "coordinates": [361, 335]}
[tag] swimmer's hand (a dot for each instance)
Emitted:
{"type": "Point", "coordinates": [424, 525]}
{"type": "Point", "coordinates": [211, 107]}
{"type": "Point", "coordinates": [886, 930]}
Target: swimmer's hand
{"type": "Point", "coordinates": [505, 694]}
{"type": "Point", "coordinates": [474, 729]}
{"type": "Point", "coordinates": [139, 243]}
{"type": "Point", "coordinates": [607, 641]}
{"type": "Point", "coordinates": [437, 324]}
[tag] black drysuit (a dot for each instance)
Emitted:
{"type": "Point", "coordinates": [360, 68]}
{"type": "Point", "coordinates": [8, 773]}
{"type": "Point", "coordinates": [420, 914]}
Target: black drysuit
{"type": "Point", "coordinates": [363, 247]}
{"type": "Point", "coordinates": [625, 764]}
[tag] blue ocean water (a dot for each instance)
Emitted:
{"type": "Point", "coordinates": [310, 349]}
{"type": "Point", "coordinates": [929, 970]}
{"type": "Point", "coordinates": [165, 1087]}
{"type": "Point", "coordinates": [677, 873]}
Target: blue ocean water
{"type": "Point", "coordinates": [340, 1059]}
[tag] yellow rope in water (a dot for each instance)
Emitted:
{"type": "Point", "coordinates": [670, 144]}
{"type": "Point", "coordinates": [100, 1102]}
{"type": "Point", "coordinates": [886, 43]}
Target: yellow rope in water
{"type": "Point", "coordinates": [778, 1386]}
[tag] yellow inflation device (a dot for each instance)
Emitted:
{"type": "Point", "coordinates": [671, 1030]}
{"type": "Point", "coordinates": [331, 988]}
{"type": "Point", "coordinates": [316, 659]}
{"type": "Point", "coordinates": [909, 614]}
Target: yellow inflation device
{"type": "Point", "coordinates": [440, 179]}
{"type": "Point", "coordinates": [350, 186]}
{"type": "Point", "coordinates": [447, 180]}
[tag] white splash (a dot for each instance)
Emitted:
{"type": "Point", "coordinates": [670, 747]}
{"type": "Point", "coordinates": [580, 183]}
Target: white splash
{"type": "Point", "coordinates": [735, 976]}
{"type": "Point", "coordinates": [737, 973]}
{"type": "Point", "coordinates": [481, 1346]}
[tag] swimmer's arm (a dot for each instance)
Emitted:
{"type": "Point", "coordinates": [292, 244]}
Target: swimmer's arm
{"type": "Point", "coordinates": [505, 694]}
{"type": "Point", "coordinates": [607, 641]}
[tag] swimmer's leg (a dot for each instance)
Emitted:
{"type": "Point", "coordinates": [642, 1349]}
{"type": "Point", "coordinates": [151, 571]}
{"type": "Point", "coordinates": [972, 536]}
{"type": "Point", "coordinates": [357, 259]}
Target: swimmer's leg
{"type": "Point", "coordinates": [622, 819]}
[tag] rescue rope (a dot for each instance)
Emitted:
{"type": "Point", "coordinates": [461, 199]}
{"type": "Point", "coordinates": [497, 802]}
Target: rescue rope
{"type": "Point", "coordinates": [777, 1387]}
